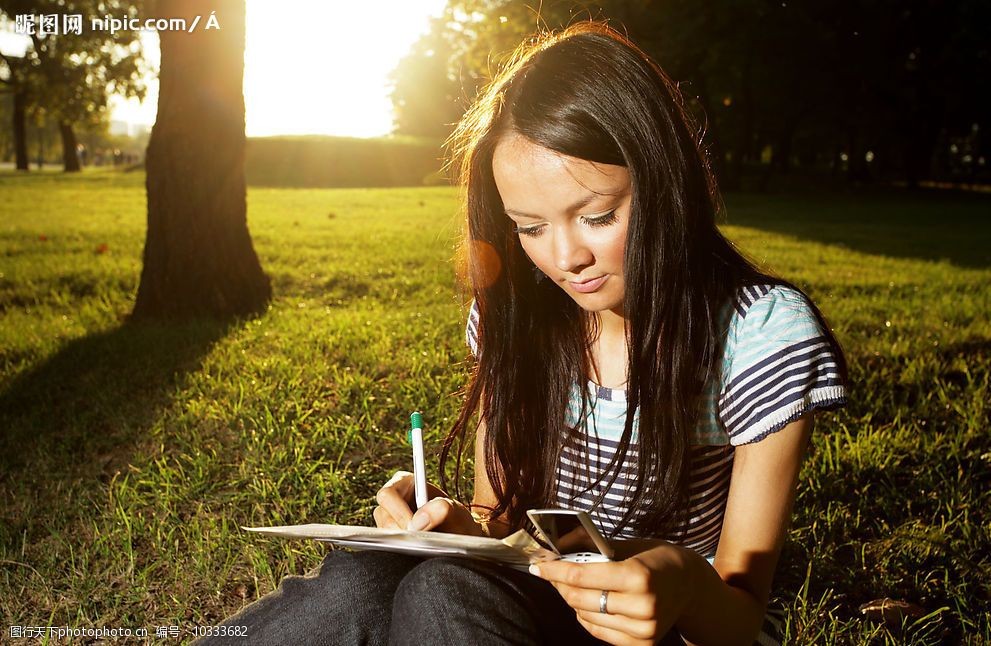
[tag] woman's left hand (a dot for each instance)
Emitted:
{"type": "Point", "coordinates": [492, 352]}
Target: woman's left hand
{"type": "Point", "coordinates": [646, 593]}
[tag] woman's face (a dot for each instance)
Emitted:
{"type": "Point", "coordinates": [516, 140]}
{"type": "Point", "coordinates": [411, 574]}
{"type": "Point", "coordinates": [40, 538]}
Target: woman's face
{"type": "Point", "coordinates": [571, 216]}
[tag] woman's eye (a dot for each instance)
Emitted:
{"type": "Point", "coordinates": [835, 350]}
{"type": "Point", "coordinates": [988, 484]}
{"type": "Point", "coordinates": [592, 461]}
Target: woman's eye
{"type": "Point", "coordinates": [602, 220]}
{"type": "Point", "coordinates": [532, 232]}
{"type": "Point", "coordinates": [597, 221]}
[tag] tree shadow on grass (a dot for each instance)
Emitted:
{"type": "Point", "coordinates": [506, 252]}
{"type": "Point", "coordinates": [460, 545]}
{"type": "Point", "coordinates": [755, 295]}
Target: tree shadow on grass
{"type": "Point", "coordinates": [78, 416]}
{"type": "Point", "coordinates": [925, 225]}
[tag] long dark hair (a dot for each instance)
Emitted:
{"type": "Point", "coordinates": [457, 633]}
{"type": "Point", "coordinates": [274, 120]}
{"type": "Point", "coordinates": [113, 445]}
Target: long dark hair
{"type": "Point", "coordinates": [589, 92]}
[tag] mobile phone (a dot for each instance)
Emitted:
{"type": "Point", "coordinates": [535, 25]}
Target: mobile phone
{"type": "Point", "coordinates": [572, 534]}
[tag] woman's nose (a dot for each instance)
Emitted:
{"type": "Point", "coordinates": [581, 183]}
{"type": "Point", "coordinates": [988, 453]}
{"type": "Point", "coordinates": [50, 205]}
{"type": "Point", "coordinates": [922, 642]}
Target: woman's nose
{"type": "Point", "coordinates": [571, 254]}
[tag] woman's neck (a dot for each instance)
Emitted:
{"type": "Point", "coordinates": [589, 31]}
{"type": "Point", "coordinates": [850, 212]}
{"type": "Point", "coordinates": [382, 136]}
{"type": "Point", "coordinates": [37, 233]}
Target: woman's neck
{"type": "Point", "coordinates": [612, 325]}
{"type": "Point", "coordinates": [608, 352]}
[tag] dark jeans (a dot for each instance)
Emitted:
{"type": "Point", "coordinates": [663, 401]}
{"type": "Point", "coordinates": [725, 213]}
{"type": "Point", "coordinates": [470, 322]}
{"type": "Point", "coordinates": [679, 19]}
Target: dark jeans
{"type": "Point", "coordinates": [384, 598]}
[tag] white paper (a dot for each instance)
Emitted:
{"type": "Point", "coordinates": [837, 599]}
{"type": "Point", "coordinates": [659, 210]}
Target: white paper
{"type": "Point", "coordinates": [519, 549]}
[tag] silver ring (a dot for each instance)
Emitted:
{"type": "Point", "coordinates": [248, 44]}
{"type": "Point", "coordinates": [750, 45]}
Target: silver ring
{"type": "Point", "coordinates": [603, 600]}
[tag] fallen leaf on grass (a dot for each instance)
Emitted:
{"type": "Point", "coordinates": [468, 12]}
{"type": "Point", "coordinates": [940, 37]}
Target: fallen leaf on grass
{"type": "Point", "coordinates": [890, 611]}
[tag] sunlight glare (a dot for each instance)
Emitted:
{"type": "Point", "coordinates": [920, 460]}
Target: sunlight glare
{"type": "Point", "coordinates": [321, 68]}
{"type": "Point", "coordinates": [313, 67]}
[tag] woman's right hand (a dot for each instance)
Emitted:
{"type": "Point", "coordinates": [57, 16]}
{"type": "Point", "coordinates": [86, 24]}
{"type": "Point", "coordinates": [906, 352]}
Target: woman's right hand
{"type": "Point", "coordinates": [441, 513]}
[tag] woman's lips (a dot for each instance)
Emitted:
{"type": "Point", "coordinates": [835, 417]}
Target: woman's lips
{"type": "Point", "coordinates": [588, 286]}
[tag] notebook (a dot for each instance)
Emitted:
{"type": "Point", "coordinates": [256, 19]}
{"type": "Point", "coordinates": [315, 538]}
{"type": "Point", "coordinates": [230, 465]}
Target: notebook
{"type": "Point", "coordinates": [518, 550]}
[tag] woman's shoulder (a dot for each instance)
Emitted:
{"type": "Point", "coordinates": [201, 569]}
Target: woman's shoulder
{"type": "Point", "coordinates": [767, 297]}
{"type": "Point", "coordinates": [772, 313]}
{"type": "Point", "coordinates": [779, 362]}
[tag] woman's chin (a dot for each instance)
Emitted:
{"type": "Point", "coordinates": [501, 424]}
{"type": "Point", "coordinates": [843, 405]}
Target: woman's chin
{"type": "Point", "coordinates": [594, 303]}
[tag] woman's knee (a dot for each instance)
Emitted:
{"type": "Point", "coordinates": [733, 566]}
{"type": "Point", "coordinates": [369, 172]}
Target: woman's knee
{"type": "Point", "coordinates": [454, 601]}
{"type": "Point", "coordinates": [440, 578]}
{"type": "Point", "coordinates": [367, 575]}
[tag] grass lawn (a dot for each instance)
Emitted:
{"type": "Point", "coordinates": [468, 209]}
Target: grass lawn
{"type": "Point", "coordinates": [130, 455]}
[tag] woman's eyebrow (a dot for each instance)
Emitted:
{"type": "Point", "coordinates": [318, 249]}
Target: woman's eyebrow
{"type": "Point", "coordinates": [574, 207]}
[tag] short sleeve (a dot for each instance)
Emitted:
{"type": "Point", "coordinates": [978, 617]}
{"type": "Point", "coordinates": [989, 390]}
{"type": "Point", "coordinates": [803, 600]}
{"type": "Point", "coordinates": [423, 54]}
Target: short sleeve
{"type": "Point", "coordinates": [471, 329]}
{"type": "Point", "coordinates": [779, 365]}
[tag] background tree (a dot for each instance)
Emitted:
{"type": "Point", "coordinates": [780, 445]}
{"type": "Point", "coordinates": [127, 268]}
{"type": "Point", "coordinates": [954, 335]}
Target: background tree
{"type": "Point", "coordinates": [198, 256]}
{"type": "Point", "coordinates": [79, 74]}
{"type": "Point", "coordinates": [71, 76]}
{"type": "Point", "coordinates": [16, 83]}
{"type": "Point", "coordinates": [434, 84]}
{"type": "Point", "coordinates": [427, 98]}
{"type": "Point", "coordinates": [877, 89]}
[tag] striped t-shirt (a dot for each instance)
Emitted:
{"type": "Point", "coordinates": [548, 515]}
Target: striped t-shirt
{"type": "Point", "coordinates": [777, 365]}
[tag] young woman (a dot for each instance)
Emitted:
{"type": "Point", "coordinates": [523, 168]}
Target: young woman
{"type": "Point", "coordinates": [629, 362]}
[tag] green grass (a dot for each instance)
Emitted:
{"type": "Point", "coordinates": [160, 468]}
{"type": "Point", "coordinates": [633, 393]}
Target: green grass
{"type": "Point", "coordinates": [131, 454]}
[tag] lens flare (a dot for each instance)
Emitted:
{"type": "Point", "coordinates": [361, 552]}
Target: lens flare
{"type": "Point", "coordinates": [485, 264]}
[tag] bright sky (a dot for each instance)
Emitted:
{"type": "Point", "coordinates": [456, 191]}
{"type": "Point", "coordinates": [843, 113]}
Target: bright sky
{"type": "Point", "coordinates": [314, 67]}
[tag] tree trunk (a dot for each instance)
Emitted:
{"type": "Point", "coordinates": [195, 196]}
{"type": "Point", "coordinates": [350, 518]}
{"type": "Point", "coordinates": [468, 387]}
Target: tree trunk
{"type": "Point", "coordinates": [70, 154]}
{"type": "Point", "coordinates": [781, 151]}
{"type": "Point", "coordinates": [41, 145]}
{"type": "Point", "coordinates": [198, 256]}
{"type": "Point", "coordinates": [921, 145]}
{"type": "Point", "coordinates": [742, 131]}
{"type": "Point", "coordinates": [20, 130]}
